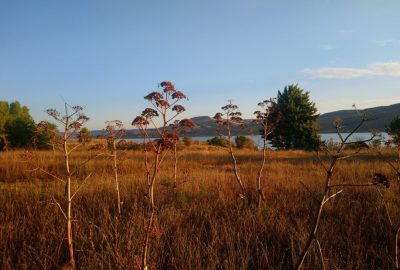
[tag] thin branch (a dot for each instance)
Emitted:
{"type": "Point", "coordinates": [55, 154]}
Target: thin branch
{"type": "Point", "coordinates": [349, 156]}
{"type": "Point", "coordinates": [146, 135]}
{"type": "Point", "coordinates": [173, 117]}
{"type": "Point", "coordinates": [59, 206]}
{"type": "Point", "coordinates": [155, 127]}
{"type": "Point", "coordinates": [321, 162]}
{"type": "Point", "coordinates": [354, 185]}
{"type": "Point", "coordinates": [354, 130]}
{"type": "Point", "coordinates": [320, 253]}
{"type": "Point", "coordinates": [74, 148]}
{"type": "Point", "coordinates": [312, 196]}
{"type": "Point", "coordinates": [332, 196]}
{"type": "Point", "coordinates": [388, 162]}
{"type": "Point", "coordinates": [156, 107]}
{"type": "Point", "coordinates": [83, 182]}
{"type": "Point", "coordinates": [386, 208]}
{"type": "Point", "coordinates": [46, 172]}
{"type": "Point", "coordinates": [86, 161]}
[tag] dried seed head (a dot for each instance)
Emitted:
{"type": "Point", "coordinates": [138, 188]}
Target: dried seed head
{"type": "Point", "coordinates": [149, 113]}
{"type": "Point", "coordinates": [178, 108]}
{"type": "Point", "coordinates": [179, 95]}
{"type": "Point", "coordinates": [154, 96]}
{"type": "Point", "coordinates": [140, 121]}
{"type": "Point", "coordinates": [168, 87]}
{"type": "Point", "coordinates": [187, 124]}
{"type": "Point", "coordinates": [381, 179]}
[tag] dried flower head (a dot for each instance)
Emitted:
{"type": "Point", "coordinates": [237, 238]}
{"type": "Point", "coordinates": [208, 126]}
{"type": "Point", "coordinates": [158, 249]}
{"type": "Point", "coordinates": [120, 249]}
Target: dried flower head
{"type": "Point", "coordinates": [53, 113]}
{"type": "Point", "coordinates": [149, 113]}
{"type": "Point", "coordinates": [154, 96]}
{"type": "Point", "coordinates": [230, 107]}
{"type": "Point", "coordinates": [178, 108]}
{"type": "Point", "coordinates": [162, 103]}
{"type": "Point", "coordinates": [187, 124]}
{"type": "Point", "coordinates": [168, 87]}
{"type": "Point", "coordinates": [338, 124]}
{"type": "Point", "coordinates": [178, 95]}
{"type": "Point", "coordinates": [381, 179]}
{"type": "Point", "coordinates": [114, 130]}
{"type": "Point", "coordinates": [140, 121]}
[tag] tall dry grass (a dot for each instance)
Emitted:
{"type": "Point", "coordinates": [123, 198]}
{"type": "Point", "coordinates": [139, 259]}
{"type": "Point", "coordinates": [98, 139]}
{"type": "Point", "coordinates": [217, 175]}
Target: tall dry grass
{"type": "Point", "coordinates": [201, 224]}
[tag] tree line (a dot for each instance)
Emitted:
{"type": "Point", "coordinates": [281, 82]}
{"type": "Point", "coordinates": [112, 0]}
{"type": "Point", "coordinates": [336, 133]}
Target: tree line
{"type": "Point", "coordinates": [19, 130]}
{"type": "Point", "coordinates": [293, 112]}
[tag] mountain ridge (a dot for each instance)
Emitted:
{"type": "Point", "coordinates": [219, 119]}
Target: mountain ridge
{"type": "Point", "coordinates": [380, 117]}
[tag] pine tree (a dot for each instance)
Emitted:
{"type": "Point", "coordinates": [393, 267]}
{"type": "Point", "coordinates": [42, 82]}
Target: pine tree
{"type": "Point", "coordinates": [297, 126]}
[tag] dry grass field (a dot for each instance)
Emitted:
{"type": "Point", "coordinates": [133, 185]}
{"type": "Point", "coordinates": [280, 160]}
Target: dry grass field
{"type": "Point", "coordinates": [201, 223]}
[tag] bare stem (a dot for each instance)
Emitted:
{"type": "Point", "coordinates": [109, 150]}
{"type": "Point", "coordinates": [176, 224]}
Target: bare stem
{"type": "Point", "coordinates": [234, 161]}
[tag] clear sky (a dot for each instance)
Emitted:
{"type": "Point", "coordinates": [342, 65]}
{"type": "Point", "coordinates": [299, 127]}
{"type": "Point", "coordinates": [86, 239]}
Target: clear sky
{"type": "Point", "coordinates": [107, 55]}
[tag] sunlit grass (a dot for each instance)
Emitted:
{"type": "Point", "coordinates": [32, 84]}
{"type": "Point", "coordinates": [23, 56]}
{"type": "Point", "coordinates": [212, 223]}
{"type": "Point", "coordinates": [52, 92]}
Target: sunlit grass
{"type": "Point", "coordinates": [201, 224]}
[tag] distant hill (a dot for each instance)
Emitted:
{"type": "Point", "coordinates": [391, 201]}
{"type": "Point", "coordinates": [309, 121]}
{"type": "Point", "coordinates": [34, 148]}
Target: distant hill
{"type": "Point", "coordinates": [380, 117]}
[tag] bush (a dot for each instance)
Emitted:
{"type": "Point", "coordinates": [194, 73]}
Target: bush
{"type": "Point", "coordinates": [243, 142]}
{"type": "Point", "coordinates": [127, 145]}
{"type": "Point", "coordinates": [187, 141]}
{"type": "Point", "coordinates": [84, 136]}
{"type": "Point", "coordinates": [218, 141]}
{"type": "Point", "coordinates": [394, 131]}
{"type": "Point", "coordinates": [3, 142]}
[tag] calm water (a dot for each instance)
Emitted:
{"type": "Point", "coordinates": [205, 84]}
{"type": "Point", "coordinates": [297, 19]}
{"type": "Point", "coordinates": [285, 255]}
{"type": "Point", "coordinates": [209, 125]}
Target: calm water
{"type": "Point", "coordinates": [334, 137]}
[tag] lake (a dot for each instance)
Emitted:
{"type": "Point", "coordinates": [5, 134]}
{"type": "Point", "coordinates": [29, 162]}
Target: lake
{"type": "Point", "coordinates": [334, 137]}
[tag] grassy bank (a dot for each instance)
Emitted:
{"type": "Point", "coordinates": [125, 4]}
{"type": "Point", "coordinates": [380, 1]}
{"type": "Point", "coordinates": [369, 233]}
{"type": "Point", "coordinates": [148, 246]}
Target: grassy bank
{"type": "Point", "coordinates": [201, 224]}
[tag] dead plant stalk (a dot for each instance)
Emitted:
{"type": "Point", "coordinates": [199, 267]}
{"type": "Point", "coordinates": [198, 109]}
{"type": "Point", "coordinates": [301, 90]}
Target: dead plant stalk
{"type": "Point", "coordinates": [326, 194]}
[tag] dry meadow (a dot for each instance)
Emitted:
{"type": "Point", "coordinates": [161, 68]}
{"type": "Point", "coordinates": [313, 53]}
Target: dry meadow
{"type": "Point", "coordinates": [201, 223]}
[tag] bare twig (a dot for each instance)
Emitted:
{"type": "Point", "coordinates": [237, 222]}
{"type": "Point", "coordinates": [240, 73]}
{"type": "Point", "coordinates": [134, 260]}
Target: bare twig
{"type": "Point", "coordinates": [59, 207]}
{"type": "Point", "coordinates": [320, 254]}
{"type": "Point", "coordinates": [80, 186]}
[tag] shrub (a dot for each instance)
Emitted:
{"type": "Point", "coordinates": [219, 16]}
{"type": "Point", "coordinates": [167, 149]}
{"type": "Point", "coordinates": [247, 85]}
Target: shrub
{"type": "Point", "coordinates": [243, 142]}
{"type": "Point", "coordinates": [218, 141]}
{"type": "Point", "coordinates": [187, 141]}
{"type": "Point", "coordinates": [127, 145]}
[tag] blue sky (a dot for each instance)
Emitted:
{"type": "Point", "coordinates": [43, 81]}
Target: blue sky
{"type": "Point", "coordinates": [107, 55]}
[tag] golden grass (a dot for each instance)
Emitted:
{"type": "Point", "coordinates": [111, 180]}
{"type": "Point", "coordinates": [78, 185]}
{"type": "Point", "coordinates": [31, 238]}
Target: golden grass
{"type": "Point", "coordinates": [201, 224]}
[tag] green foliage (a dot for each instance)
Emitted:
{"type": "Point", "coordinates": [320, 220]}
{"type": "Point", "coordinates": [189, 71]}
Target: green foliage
{"type": "Point", "coordinates": [297, 127]}
{"type": "Point", "coordinates": [394, 130]}
{"type": "Point", "coordinates": [4, 115]}
{"type": "Point", "coordinates": [377, 143]}
{"type": "Point", "coordinates": [243, 142]}
{"type": "Point", "coordinates": [3, 142]}
{"type": "Point", "coordinates": [46, 135]}
{"type": "Point", "coordinates": [187, 141]}
{"type": "Point", "coordinates": [16, 124]}
{"type": "Point", "coordinates": [85, 135]}
{"type": "Point", "coordinates": [218, 141]}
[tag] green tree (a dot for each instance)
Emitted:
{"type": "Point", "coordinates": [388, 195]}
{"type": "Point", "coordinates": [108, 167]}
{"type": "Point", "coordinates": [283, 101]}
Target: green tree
{"type": "Point", "coordinates": [218, 141]}
{"type": "Point", "coordinates": [18, 124]}
{"type": "Point", "coordinates": [297, 126]}
{"type": "Point", "coordinates": [4, 117]}
{"type": "Point", "coordinates": [84, 135]}
{"type": "Point", "coordinates": [394, 130]}
{"type": "Point", "coordinates": [46, 135]}
{"type": "Point", "coordinates": [243, 142]}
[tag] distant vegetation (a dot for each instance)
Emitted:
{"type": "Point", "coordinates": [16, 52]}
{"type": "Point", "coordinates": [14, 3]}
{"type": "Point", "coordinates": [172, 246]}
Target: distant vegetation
{"type": "Point", "coordinates": [380, 118]}
{"type": "Point", "coordinates": [16, 125]}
